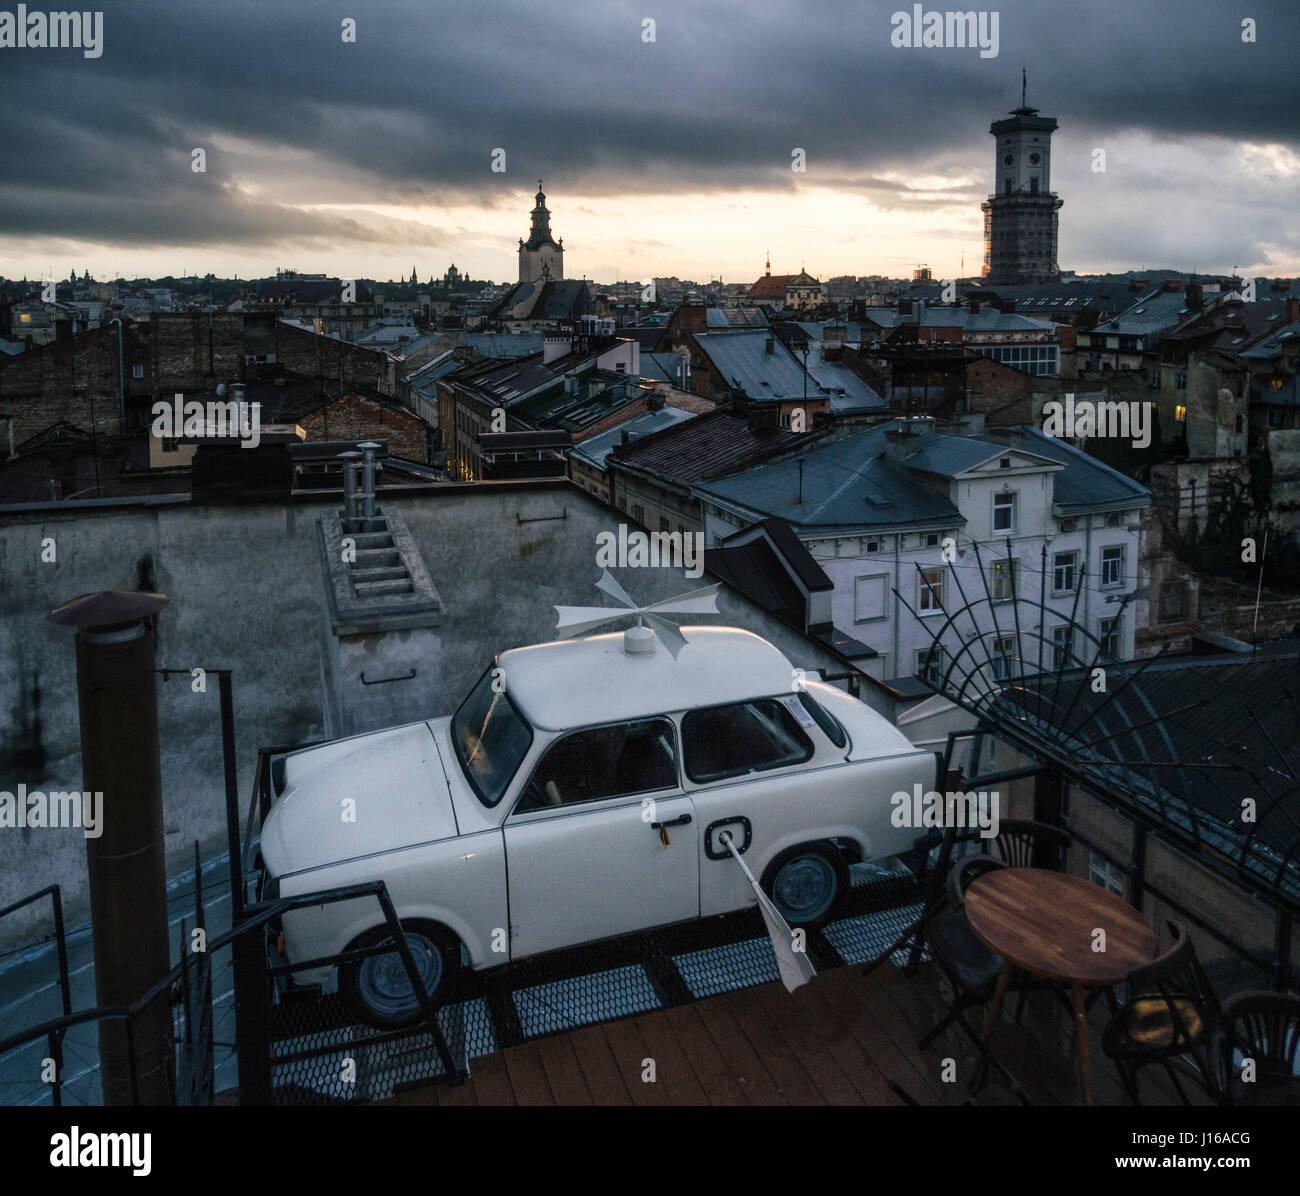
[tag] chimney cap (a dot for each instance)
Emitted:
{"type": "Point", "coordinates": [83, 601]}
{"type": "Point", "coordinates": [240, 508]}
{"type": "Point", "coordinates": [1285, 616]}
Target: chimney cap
{"type": "Point", "coordinates": [108, 608]}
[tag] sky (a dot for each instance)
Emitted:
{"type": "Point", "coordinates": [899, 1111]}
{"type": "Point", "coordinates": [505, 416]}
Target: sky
{"type": "Point", "coordinates": [666, 149]}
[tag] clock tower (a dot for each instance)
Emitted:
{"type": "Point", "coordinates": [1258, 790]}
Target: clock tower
{"type": "Point", "coordinates": [1020, 217]}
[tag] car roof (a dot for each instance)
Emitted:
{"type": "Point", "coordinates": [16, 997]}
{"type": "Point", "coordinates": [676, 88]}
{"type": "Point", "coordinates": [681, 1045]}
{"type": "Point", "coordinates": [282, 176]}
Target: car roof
{"type": "Point", "coordinates": [589, 680]}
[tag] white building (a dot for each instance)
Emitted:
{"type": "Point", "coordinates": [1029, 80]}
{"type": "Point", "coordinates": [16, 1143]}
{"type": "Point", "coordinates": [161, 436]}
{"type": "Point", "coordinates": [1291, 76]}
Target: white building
{"type": "Point", "coordinates": [893, 515]}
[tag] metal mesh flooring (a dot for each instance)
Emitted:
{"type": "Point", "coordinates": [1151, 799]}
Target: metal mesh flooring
{"type": "Point", "coordinates": [322, 1056]}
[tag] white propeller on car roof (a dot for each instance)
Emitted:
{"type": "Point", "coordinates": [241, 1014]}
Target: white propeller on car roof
{"type": "Point", "coordinates": [574, 620]}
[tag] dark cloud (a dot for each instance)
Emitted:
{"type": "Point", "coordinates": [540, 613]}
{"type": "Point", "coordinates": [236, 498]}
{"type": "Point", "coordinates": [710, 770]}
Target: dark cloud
{"type": "Point", "coordinates": [292, 117]}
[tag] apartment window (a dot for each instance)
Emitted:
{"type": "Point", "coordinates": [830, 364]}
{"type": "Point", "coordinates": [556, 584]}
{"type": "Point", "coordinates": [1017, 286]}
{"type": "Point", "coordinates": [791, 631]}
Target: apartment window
{"type": "Point", "coordinates": [1106, 873]}
{"type": "Point", "coordinates": [1115, 519]}
{"type": "Point", "coordinates": [638, 513]}
{"type": "Point", "coordinates": [1153, 379]}
{"type": "Point", "coordinates": [1173, 602]}
{"type": "Point", "coordinates": [170, 444]}
{"type": "Point", "coordinates": [1109, 635]}
{"type": "Point", "coordinates": [1180, 380]}
{"type": "Point", "coordinates": [1274, 419]}
{"type": "Point", "coordinates": [1240, 424]}
{"type": "Point", "coordinates": [1004, 580]}
{"type": "Point", "coordinates": [664, 525]}
{"type": "Point", "coordinates": [1180, 414]}
{"type": "Point", "coordinates": [1062, 645]}
{"type": "Point", "coordinates": [1004, 513]}
{"type": "Point", "coordinates": [1063, 569]}
{"type": "Point", "coordinates": [1112, 566]}
{"type": "Point", "coordinates": [931, 664]}
{"type": "Point", "coordinates": [1004, 463]}
{"type": "Point", "coordinates": [930, 539]}
{"type": "Point", "coordinates": [870, 598]}
{"type": "Point", "coordinates": [931, 584]}
{"type": "Point", "coordinates": [137, 370]}
{"type": "Point", "coordinates": [1004, 655]}
{"type": "Point", "coordinates": [873, 545]}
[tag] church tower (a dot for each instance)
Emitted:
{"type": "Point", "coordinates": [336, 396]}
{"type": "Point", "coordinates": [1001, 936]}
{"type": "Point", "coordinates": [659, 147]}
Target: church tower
{"type": "Point", "coordinates": [1020, 218]}
{"type": "Point", "coordinates": [541, 257]}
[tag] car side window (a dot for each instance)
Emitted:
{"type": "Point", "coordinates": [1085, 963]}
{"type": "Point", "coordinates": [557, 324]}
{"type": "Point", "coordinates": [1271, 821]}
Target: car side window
{"type": "Point", "coordinates": [603, 762]}
{"type": "Point", "coordinates": [730, 741]}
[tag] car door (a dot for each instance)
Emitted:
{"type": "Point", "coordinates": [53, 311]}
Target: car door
{"type": "Point", "coordinates": [602, 840]}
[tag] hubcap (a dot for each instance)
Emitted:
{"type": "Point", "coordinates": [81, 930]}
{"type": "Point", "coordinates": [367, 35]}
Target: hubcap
{"type": "Point", "coordinates": [805, 888]}
{"type": "Point", "coordinates": [386, 987]}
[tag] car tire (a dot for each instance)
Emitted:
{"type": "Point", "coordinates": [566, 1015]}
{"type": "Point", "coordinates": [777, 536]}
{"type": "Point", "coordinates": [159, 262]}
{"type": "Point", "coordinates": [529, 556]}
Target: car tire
{"type": "Point", "coordinates": [806, 883]}
{"type": "Point", "coordinates": [377, 988]}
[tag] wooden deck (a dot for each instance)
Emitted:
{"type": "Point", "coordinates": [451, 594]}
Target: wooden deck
{"type": "Point", "coordinates": [841, 1039]}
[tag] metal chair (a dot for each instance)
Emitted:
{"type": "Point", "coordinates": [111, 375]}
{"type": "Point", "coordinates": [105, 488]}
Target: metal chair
{"type": "Point", "coordinates": [1024, 843]}
{"type": "Point", "coordinates": [971, 968]}
{"type": "Point", "coordinates": [1263, 1029]}
{"type": "Point", "coordinates": [1171, 1012]}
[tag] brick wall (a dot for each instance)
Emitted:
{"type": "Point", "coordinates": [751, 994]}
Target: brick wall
{"type": "Point", "coordinates": [305, 353]}
{"type": "Point", "coordinates": [354, 417]}
{"type": "Point", "coordinates": [62, 381]}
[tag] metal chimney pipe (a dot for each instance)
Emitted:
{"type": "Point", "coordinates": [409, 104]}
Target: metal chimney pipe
{"type": "Point", "coordinates": [118, 701]}
{"type": "Point", "coordinates": [368, 479]}
{"type": "Point", "coordinates": [351, 460]}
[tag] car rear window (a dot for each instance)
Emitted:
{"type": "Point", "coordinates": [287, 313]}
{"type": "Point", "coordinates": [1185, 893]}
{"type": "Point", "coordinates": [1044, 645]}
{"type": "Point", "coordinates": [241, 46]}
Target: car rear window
{"type": "Point", "coordinates": [824, 718]}
{"type": "Point", "coordinates": [730, 741]}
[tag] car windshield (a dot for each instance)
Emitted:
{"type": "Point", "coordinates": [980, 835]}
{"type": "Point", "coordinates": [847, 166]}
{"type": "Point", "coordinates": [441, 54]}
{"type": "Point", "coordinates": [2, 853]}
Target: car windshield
{"type": "Point", "coordinates": [490, 737]}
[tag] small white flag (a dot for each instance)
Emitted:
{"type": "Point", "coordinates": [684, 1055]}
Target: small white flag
{"type": "Point", "coordinates": [795, 966]}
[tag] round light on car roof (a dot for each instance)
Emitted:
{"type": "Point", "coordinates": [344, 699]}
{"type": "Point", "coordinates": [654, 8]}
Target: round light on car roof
{"type": "Point", "coordinates": [639, 641]}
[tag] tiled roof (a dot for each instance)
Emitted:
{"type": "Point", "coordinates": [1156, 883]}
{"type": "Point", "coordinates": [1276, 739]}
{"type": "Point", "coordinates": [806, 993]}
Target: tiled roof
{"type": "Point", "coordinates": [707, 447]}
{"type": "Point", "coordinates": [771, 286]}
{"type": "Point", "coordinates": [596, 449]}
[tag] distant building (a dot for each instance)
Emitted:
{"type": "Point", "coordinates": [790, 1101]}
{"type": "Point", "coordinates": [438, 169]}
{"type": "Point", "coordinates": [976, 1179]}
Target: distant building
{"type": "Point", "coordinates": [1020, 219]}
{"type": "Point", "coordinates": [800, 291]}
{"type": "Point", "coordinates": [541, 257]}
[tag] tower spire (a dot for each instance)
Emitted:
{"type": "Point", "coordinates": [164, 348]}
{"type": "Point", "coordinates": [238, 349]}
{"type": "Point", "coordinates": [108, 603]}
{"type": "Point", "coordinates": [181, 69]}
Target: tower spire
{"type": "Point", "coordinates": [1024, 85]}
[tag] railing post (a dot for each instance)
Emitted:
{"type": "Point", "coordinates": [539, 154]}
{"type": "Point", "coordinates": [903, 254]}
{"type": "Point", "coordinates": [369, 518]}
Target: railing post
{"type": "Point", "coordinates": [1282, 951]}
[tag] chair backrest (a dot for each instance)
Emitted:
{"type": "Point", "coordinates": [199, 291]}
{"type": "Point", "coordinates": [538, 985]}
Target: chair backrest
{"type": "Point", "coordinates": [966, 870]}
{"type": "Point", "coordinates": [1023, 843]}
{"type": "Point", "coordinates": [1177, 974]}
{"type": "Point", "coordinates": [1265, 1027]}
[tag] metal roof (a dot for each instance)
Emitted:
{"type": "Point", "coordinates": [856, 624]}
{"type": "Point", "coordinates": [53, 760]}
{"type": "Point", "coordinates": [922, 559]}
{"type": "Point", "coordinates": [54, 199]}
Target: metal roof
{"type": "Point", "coordinates": [846, 483]}
{"type": "Point", "coordinates": [741, 357]}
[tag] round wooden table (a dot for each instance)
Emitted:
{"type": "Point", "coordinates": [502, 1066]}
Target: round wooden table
{"type": "Point", "coordinates": [1047, 924]}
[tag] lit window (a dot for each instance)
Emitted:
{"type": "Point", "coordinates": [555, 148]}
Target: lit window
{"type": "Point", "coordinates": [1004, 513]}
{"type": "Point", "coordinates": [1004, 580]}
{"type": "Point", "coordinates": [1180, 414]}
{"type": "Point", "coordinates": [931, 591]}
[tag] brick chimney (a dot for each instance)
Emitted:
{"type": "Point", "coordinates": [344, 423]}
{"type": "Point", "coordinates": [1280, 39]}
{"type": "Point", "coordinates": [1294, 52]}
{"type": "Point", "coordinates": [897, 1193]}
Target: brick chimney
{"type": "Point", "coordinates": [1292, 310]}
{"type": "Point", "coordinates": [904, 435]}
{"type": "Point", "coordinates": [1194, 295]}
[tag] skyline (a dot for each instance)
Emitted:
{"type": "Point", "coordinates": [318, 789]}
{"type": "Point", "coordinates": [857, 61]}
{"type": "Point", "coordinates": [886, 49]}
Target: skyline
{"type": "Point", "coordinates": [660, 158]}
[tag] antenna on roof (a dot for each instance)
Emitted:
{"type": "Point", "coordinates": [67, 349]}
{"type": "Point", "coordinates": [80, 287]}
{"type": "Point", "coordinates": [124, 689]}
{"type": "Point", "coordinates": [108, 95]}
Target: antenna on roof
{"type": "Point", "coordinates": [639, 640]}
{"type": "Point", "coordinates": [1024, 85]}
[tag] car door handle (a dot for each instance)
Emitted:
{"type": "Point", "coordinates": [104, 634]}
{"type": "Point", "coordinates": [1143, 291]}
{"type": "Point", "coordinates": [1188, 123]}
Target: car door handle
{"type": "Point", "coordinates": [682, 821]}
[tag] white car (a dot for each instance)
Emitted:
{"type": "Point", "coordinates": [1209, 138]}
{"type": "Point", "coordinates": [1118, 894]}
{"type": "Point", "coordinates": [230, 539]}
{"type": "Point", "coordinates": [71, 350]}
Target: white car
{"type": "Point", "coordinates": [579, 794]}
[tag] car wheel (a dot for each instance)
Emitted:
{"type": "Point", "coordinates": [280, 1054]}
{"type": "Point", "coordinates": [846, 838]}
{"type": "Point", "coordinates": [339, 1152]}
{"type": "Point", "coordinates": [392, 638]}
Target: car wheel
{"type": "Point", "coordinates": [378, 990]}
{"type": "Point", "coordinates": [806, 883]}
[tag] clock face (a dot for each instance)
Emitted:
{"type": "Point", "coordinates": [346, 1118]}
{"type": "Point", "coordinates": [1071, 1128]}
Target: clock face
{"type": "Point", "coordinates": [1008, 160]}
{"type": "Point", "coordinates": [1035, 159]}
